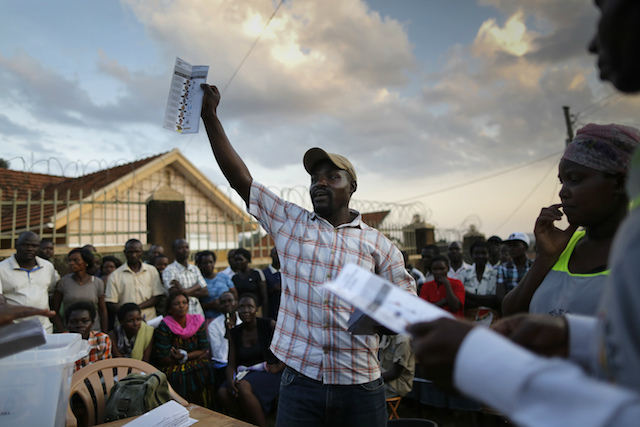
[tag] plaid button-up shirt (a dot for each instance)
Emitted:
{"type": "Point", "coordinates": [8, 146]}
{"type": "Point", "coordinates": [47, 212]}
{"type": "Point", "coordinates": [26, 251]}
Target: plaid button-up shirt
{"type": "Point", "coordinates": [311, 335]}
{"type": "Point", "coordinates": [188, 277]}
{"type": "Point", "coordinates": [99, 348]}
{"type": "Point", "coordinates": [509, 275]}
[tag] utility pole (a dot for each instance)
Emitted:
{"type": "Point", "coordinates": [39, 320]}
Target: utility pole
{"type": "Point", "coordinates": [567, 119]}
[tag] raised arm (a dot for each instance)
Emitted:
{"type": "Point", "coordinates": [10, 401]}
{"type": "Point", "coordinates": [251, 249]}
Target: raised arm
{"type": "Point", "coordinates": [232, 166]}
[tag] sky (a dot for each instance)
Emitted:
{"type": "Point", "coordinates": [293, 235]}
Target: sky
{"type": "Point", "coordinates": [452, 110]}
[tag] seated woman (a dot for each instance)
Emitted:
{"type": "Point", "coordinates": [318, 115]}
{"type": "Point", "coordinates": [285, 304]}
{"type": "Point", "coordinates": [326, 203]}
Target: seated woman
{"type": "Point", "coordinates": [443, 291]}
{"type": "Point", "coordinates": [181, 351]}
{"type": "Point", "coordinates": [481, 304]}
{"type": "Point", "coordinates": [79, 285]}
{"type": "Point", "coordinates": [79, 317]}
{"type": "Point", "coordinates": [133, 338]}
{"type": "Point", "coordinates": [570, 270]}
{"type": "Point", "coordinates": [253, 372]}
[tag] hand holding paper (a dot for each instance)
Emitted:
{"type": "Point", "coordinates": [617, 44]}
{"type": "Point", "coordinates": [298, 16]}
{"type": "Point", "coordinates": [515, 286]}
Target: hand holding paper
{"type": "Point", "coordinates": [379, 299]}
{"type": "Point", "coordinates": [437, 336]}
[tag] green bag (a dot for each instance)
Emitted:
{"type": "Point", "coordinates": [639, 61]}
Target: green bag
{"type": "Point", "coordinates": [136, 394]}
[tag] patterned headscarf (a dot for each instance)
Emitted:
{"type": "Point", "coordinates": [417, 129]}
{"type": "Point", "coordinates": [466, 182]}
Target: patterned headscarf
{"type": "Point", "coordinates": [607, 148]}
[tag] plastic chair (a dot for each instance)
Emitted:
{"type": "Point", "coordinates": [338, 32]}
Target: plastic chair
{"type": "Point", "coordinates": [94, 382]}
{"type": "Point", "coordinates": [393, 403]}
{"type": "Point", "coordinates": [411, 422]}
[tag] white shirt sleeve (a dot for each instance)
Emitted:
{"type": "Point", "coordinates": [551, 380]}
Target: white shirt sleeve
{"type": "Point", "coordinates": [536, 391]}
{"type": "Point", "coordinates": [582, 344]}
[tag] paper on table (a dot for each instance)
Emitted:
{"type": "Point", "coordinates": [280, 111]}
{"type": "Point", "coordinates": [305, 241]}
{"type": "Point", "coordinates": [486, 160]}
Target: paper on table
{"type": "Point", "coordinates": [171, 414]}
{"type": "Point", "coordinates": [381, 300]}
{"type": "Point", "coordinates": [185, 97]}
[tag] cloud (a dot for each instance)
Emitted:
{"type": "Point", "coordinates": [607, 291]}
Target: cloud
{"type": "Point", "coordinates": [9, 128]}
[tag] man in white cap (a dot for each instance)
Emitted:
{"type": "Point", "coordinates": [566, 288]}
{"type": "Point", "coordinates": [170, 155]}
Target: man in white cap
{"type": "Point", "coordinates": [332, 378]}
{"type": "Point", "coordinates": [510, 274]}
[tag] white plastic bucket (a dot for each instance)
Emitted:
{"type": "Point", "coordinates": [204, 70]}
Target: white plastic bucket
{"type": "Point", "coordinates": [35, 384]}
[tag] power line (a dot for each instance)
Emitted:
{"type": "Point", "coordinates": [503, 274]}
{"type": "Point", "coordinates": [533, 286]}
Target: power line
{"type": "Point", "coordinates": [251, 48]}
{"type": "Point", "coordinates": [599, 105]}
{"type": "Point", "coordinates": [484, 178]}
{"type": "Point", "coordinates": [527, 197]}
{"type": "Point", "coordinates": [596, 104]}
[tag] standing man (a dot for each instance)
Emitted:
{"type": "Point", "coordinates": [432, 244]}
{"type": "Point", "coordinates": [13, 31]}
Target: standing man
{"type": "Point", "coordinates": [135, 282]}
{"type": "Point", "coordinates": [427, 254]}
{"type": "Point", "coordinates": [155, 251]}
{"type": "Point", "coordinates": [511, 273]}
{"type": "Point", "coordinates": [185, 276]}
{"type": "Point", "coordinates": [26, 279]}
{"type": "Point", "coordinates": [494, 251]}
{"type": "Point", "coordinates": [273, 279]}
{"type": "Point", "coordinates": [332, 377]}
{"type": "Point", "coordinates": [456, 263]}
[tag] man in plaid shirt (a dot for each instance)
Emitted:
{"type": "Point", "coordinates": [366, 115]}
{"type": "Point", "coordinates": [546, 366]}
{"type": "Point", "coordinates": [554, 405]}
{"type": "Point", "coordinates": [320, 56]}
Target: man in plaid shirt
{"type": "Point", "coordinates": [332, 377]}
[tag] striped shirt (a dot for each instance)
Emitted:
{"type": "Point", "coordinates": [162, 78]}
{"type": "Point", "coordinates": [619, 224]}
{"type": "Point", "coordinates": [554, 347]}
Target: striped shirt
{"type": "Point", "coordinates": [311, 335]}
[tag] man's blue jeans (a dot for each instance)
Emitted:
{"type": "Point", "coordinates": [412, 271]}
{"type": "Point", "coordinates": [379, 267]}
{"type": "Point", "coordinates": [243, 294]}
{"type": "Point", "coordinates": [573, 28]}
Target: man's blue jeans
{"type": "Point", "coordinates": [309, 403]}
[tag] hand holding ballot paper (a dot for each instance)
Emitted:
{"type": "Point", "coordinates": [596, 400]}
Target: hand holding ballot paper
{"type": "Point", "coordinates": [402, 312]}
{"type": "Point", "coordinates": [384, 302]}
{"type": "Point", "coordinates": [185, 97]}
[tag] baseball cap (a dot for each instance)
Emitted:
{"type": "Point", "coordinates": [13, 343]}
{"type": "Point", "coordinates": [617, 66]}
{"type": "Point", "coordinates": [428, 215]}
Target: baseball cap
{"type": "Point", "coordinates": [518, 235]}
{"type": "Point", "coordinates": [314, 155]}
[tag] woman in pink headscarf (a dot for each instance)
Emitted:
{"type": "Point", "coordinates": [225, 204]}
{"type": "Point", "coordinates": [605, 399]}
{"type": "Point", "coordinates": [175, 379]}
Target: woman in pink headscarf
{"type": "Point", "coordinates": [181, 351]}
{"type": "Point", "coordinates": [569, 272]}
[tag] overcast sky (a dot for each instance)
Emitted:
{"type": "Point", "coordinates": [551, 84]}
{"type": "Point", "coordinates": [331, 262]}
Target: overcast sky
{"type": "Point", "coordinates": [454, 107]}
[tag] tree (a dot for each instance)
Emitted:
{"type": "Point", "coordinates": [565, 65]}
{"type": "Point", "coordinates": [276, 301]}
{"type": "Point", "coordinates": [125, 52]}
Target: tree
{"type": "Point", "coordinates": [4, 164]}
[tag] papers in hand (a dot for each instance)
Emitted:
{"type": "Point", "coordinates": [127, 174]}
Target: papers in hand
{"type": "Point", "coordinates": [185, 97]}
{"type": "Point", "coordinates": [381, 300]}
{"type": "Point", "coordinates": [171, 414]}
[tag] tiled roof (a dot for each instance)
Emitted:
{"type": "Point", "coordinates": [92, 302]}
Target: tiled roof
{"type": "Point", "coordinates": [373, 219]}
{"type": "Point", "coordinates": [11, 180]}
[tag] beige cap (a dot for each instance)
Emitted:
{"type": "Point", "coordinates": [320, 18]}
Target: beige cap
{"type": "Point", "coordinates": [314, 155]}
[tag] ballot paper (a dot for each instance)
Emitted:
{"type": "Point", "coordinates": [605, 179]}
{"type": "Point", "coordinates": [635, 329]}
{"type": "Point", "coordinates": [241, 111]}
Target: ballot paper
{"type": "Point", "coordinates": [185, 97]}
{"type": "Point", "coordinates": [387, 304]}
{"type": "Point", "coordinates": [171, 414]}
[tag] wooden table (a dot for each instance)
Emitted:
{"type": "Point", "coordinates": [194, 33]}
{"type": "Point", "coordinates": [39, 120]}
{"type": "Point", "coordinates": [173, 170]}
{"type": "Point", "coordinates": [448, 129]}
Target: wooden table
{"type": "Point", "coordinates": [205, 417]}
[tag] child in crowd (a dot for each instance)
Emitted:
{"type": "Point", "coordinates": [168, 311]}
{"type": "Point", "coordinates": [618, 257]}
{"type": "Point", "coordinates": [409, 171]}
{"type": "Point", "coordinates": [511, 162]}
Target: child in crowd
{"type": "Point", "coordinates": [79, 317]}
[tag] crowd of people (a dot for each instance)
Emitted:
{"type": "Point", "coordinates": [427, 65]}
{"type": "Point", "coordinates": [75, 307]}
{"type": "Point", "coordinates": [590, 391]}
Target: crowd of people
{"type": "Point", "coordinates": [559, 346]}
{"type": "Point", "coordinates": [180, 317]}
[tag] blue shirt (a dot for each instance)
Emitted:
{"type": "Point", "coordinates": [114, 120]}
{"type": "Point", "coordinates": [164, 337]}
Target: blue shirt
{"type": "Point", "coordinates": [216, 287]}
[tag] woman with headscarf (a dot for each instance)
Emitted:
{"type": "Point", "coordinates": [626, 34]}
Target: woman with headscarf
{"type": "Point", "coordinates": [569, 272]}
{"type": "Point", "coordinates": [77, 286]}
{"type": "Point", "coordinates": [181, 351]}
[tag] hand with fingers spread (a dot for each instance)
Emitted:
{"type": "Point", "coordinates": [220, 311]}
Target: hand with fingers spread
{"type": "Point", "coordinates": [9, 313]}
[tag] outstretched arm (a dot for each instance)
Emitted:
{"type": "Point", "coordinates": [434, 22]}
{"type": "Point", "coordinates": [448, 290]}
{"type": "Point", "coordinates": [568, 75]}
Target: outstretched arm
{"type": "Point", "coordinates": [232, 166]}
